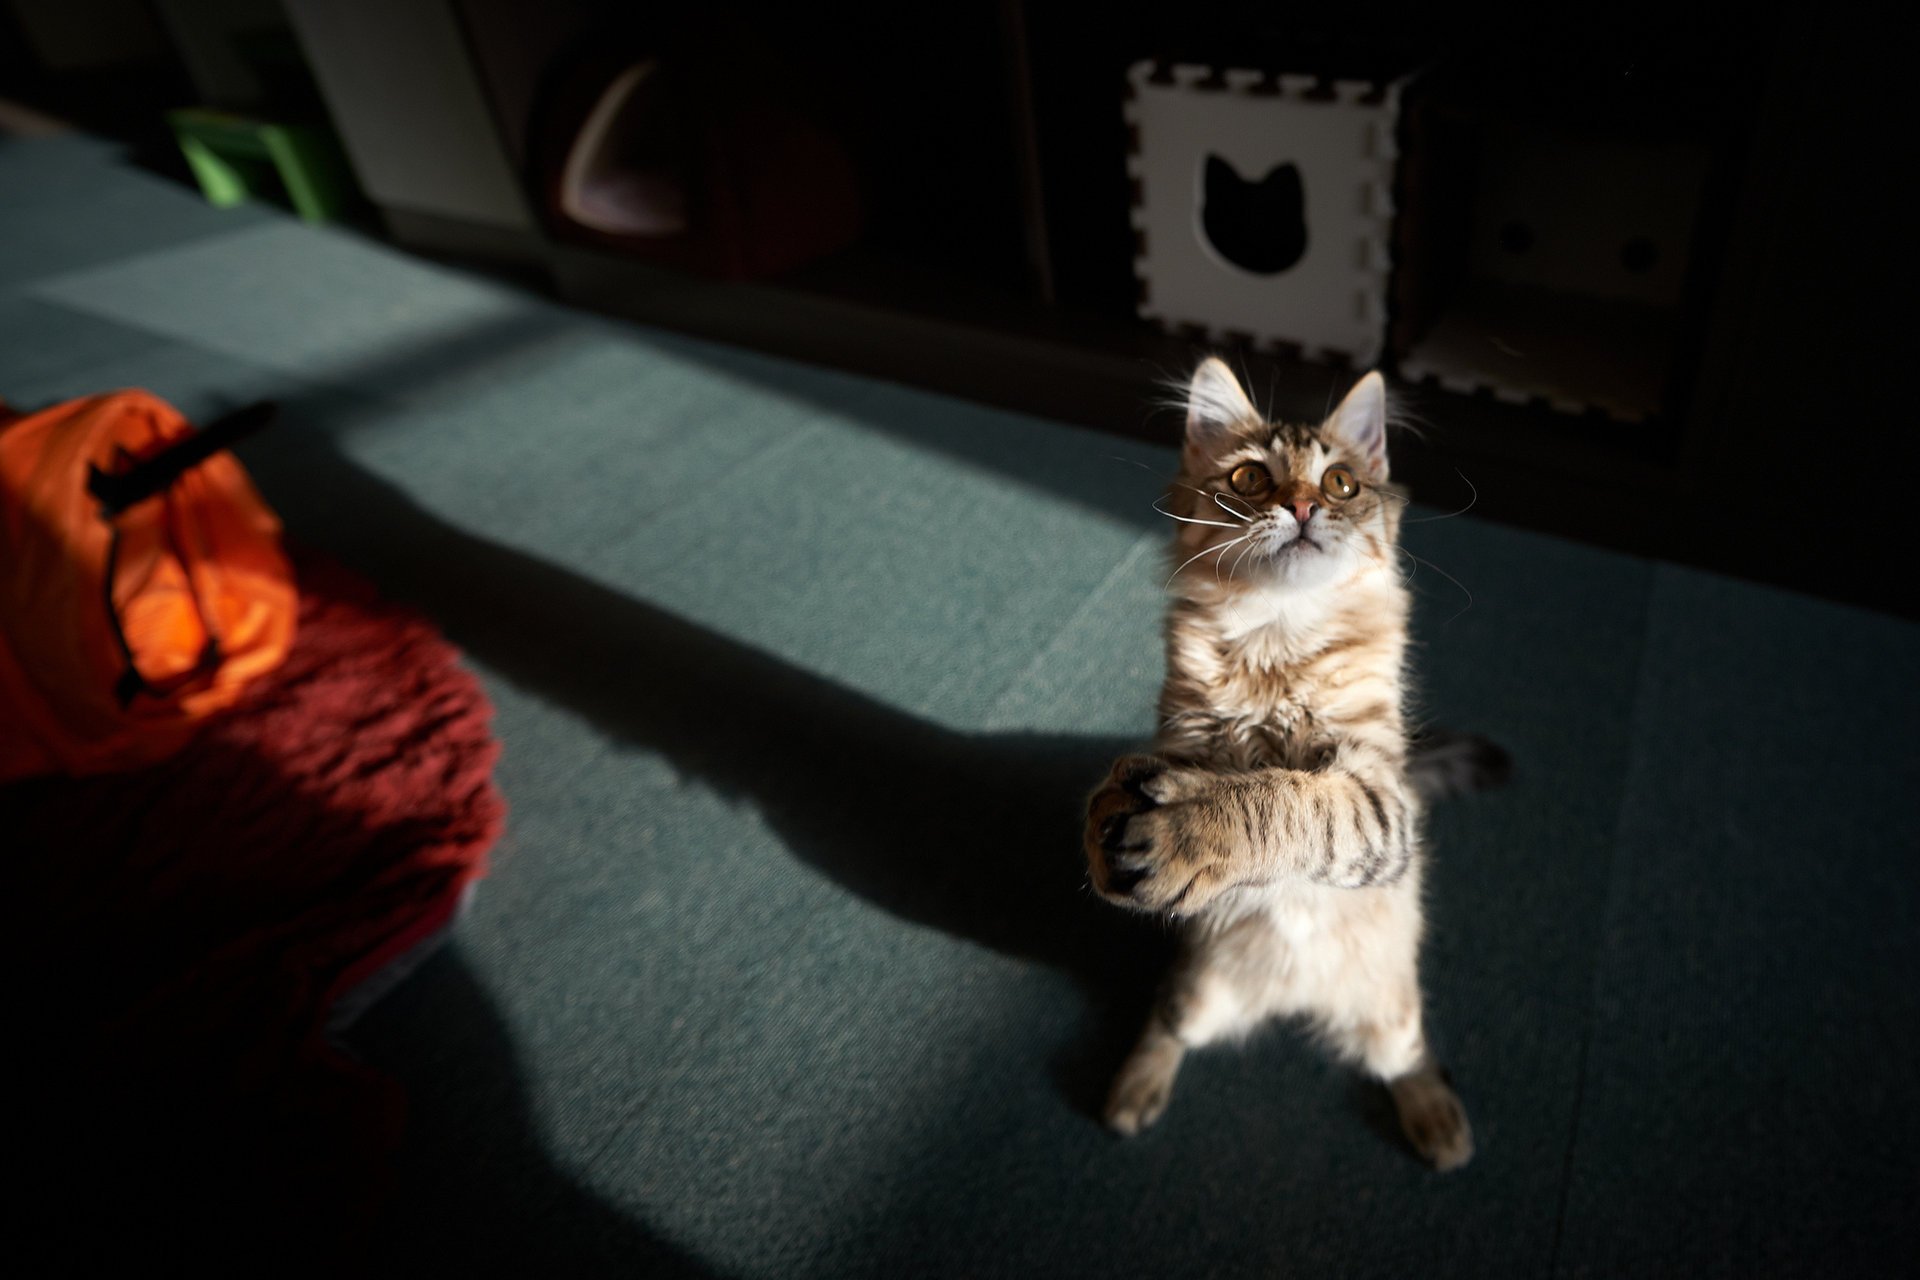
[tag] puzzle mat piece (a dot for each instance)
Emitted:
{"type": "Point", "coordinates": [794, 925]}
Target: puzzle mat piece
{"type": "Point", "coordinates": [1331, 303]}
{"type": "Point", "coordinates": [1578, 205]}
{"type": "Point", "coordinates": [1524, 345]}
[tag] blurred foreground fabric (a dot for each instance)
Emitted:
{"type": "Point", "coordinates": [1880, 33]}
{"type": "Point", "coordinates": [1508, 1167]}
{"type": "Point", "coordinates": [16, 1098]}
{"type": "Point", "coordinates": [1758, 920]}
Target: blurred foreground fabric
{"type": "Point", "coordinates": [201, 925]}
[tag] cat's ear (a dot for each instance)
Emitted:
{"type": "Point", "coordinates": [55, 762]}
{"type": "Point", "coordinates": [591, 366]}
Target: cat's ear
{"type": "Point", "coordinates": [1215, 406]}
{"type": "Point", "coordinates": [1360, 424]}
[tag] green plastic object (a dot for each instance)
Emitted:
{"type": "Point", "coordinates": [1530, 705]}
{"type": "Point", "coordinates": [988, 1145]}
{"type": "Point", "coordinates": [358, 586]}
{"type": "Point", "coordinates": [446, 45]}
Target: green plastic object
{"type": "Point", "coordinates": [236, 158]}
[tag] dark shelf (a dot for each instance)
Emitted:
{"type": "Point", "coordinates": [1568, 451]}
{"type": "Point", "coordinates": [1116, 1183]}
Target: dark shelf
{"type": "Point", "coordinates": [1003, 274]}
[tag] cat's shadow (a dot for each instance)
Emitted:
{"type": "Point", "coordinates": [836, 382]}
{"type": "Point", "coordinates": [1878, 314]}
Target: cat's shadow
{"type": "Point", "coordinates": [974, 835]}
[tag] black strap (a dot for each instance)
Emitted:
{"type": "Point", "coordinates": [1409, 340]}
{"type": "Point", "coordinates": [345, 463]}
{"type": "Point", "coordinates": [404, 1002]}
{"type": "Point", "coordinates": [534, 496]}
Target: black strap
{"type": "Point", "coordinates": [119, 490]}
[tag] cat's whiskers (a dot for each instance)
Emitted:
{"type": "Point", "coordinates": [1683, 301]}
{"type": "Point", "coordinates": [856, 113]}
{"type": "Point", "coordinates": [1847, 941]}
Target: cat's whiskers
{"type": "Point", "coordinates": [1387, 545]}
{"type": "Point", "coordinates": [1218, 524]}
{"type": "Point", "coordinates": [1220, 500]}
{"type": "Point", "coordinates": [1232, 542]}
{"type": "Point", "coordinates": [1443, 573]}
{"type": "Point", "coordinates": [1474, 489]}
{"type": "Point", "coordinates": [1233, 609]}
{"type": "Point", "coordinates": [1237, 559]}
{"type": "Point", "coordinates": [1135, 462]}
{"type": "Point", "coordinates": [1222, 560]}
{"type": "Point", "coordinates": [1387, 542]}
{"type": "Point", "coordinates": [1247, 544]}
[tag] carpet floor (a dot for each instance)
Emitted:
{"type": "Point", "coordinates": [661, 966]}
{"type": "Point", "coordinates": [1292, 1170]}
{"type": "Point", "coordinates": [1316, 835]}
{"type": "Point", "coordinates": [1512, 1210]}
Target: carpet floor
{"type": "Point", "coordinates": [784, 968]}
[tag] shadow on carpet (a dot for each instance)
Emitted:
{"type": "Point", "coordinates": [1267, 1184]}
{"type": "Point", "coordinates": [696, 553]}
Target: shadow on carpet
{"type": "Point", "coordinates": [974, 835]}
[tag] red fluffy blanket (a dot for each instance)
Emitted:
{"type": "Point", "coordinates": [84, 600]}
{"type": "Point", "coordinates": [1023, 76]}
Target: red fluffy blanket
{"type": "Point", "coordinates": [187, 930]}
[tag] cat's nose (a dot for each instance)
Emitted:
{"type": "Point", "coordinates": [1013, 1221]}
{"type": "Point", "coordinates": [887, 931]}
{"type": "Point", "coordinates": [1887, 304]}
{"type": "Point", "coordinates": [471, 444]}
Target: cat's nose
{"type": "Point", "coordinates": [1301, 510]}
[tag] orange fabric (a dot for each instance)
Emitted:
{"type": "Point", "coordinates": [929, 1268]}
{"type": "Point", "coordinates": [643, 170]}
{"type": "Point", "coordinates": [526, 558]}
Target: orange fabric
{"type": "Point", "coordinates": [208, 544]}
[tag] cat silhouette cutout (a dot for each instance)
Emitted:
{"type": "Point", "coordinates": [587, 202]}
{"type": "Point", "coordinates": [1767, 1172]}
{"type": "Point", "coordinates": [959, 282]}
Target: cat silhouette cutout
{"type": "Point", "coordinates": [1259, 227]}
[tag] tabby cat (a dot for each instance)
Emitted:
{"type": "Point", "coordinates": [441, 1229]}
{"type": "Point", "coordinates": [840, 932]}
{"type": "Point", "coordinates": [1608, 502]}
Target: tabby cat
{"type": "Point", "coordinates": [1278, 818]}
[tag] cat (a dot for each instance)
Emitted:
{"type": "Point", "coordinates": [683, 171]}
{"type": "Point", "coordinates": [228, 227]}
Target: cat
{"type": "Point", "coordinates": [1260, 227]}
{"type": "Point", "coordinates": [1278, 817]}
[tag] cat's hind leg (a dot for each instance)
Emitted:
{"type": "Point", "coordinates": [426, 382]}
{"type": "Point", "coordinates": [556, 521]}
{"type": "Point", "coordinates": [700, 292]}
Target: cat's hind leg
{"type": "Point", "coordinates": [1144, 1086]}
{"type": "Point", "coordinates": [1215, 992]}
{"type": "Point", "coordinates": [1394, 1051]}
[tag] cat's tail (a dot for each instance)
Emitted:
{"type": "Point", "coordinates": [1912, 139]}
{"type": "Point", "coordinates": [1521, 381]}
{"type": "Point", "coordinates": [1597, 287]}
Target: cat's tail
{"type": "Point", "coordinates": [1442, 763]}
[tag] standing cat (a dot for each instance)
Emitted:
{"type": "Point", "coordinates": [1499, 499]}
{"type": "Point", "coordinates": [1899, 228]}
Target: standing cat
{"type": "Point", "coordinates": [1278, 818]}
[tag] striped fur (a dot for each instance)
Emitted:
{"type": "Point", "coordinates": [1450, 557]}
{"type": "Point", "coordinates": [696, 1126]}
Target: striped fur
{"type": "Point", "coordinates": [1278, 817]}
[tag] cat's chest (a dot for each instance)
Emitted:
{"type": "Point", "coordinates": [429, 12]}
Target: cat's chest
{"type": "Point", "coordinates": [1282, 694]}
{"type": "Point", "coordinates": [1276, 717]}
{"type": "Point", "coordinates": [1256, 718]}
{"type": "Point", "coordinates": [1260, 702]}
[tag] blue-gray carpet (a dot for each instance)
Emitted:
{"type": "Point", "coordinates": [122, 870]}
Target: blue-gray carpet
{"type": "Point", "coordinates": [785, 968]}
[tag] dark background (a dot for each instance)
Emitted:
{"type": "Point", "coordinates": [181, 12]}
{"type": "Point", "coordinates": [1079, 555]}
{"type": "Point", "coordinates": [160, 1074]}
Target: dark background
{"type": "Point", "coordinates": [995, 256]}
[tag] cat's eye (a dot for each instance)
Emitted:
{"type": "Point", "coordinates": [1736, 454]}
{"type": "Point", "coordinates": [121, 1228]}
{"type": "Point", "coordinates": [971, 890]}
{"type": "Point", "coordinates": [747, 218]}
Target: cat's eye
{"type": "Point", "coordinates": [1250, 479]}
{"type": "Point", "coordinates": [1338, 482]}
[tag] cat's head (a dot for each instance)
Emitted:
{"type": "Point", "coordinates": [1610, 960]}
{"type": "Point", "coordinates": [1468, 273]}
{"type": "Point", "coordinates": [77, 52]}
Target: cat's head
{"type": "Point", "coordinates": [1265, 504]}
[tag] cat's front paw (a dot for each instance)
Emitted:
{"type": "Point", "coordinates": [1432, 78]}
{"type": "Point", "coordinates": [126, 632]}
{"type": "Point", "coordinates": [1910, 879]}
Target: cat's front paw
{"type": "Point", "coordinates": [1147, 841]}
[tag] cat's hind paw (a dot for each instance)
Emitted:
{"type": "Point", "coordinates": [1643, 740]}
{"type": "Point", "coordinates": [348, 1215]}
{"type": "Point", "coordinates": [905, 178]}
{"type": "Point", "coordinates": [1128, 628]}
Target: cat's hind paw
{"type": "Point", "coordinates": [1433, 1119]}
{"type": "Point", "coordinates": [1141, 1091]}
